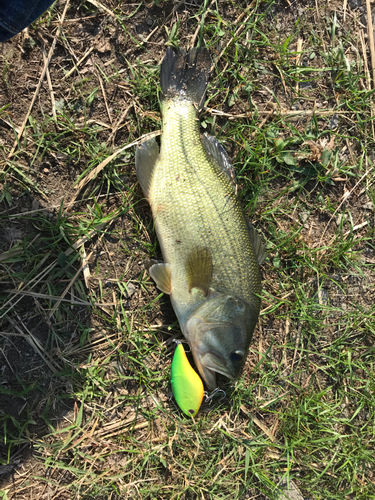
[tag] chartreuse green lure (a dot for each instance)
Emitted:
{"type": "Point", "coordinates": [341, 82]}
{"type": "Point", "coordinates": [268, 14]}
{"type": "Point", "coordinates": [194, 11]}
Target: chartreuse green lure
{"type": "Point", "coordinates": [187, 385]}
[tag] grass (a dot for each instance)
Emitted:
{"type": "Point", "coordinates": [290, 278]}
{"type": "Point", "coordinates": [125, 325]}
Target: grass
{"type": "Point", "coordinates": [85, 402]}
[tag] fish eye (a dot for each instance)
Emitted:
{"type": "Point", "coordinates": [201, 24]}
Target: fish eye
{"type": "Point", "coordinates": [236, 356]}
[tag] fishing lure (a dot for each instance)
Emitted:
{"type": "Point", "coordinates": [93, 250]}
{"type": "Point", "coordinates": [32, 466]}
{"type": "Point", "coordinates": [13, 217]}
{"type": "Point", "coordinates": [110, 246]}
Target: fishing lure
{"type": "Point", "coordinates": [187, 385]}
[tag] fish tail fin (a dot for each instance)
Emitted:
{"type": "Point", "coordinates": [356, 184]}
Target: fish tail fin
{"type": "Point", "coordinates": [185, 74]}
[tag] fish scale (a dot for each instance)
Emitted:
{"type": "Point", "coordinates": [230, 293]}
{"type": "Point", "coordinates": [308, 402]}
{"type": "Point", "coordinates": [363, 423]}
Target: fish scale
{"type": "Point", "coordinates": [199, 213]}
{"type": "Point", "coordinates": [210, 250]}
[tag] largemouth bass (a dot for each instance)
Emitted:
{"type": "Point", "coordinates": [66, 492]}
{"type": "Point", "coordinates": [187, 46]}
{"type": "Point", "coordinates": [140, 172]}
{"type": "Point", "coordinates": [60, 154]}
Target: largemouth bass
{"type": "Point", "coordinates": [211, 252]}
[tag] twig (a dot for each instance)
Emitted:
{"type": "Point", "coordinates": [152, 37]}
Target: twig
{"type": "Point", "coordinates": [83, 123]}
{"type": "Point", "coordinates": [150, 35]}
{"type": "Point", "coordinates": [81, 268]}
{"type": "Point", "coordinates": [85, 267]}
{"type": "Point", "coordinates": [287, 329]}
{"type": "Point", "coordinates": [288, 490]}
{"type": "Point", "coordinates": [194, 37]}
{"type": "Point", "coordinates": [76, 302]}
{"type": "Point", "coordinates": [52, 95]}
{"type": "Point", "coordinates": [370, 30]}
{"type": "Point", "coordinates": [35, 344]}
{"type": "Point", "coordinates": [112, 135]}
{"type": "Point", "coordinates": [298, 339]}
{"type": "Point", "coordinates": [317, 9]}
{"type": "Point", "coordinates": [78, 63]}
{"type": "Point", "coordinates": [302, 112]}
{"type": "Point", "coordinates": [45, 296]}
{"type": "Point", "coordinates": [91, 175]}
{"type": "Point", "coordinates": [80, 19]}
{"type": "Point", "coordinates": [344, 198]}
{"type": "Point", "coordinates": [280, 301]}
{"type": "Point", "coordinates": [104, 96]}
{"type": "Point", "coordinates": [253, 134]}
{"type": "Point", "coordinates": [89, 236]}
{"type": "Point", "coordinates": [368, 77]}
{"type": "Point", "coordinates": [200, 24]}
{"type": "Point", "coordinates": [118, 321]}
{"type": "Point", "coordinates": [66, 290]}
{"type": "Point", "coordinates": [37, 279]}
{"type": "Point", "coordinates": [298, 57]}
{"type": "Point", "coordinates": [355, 228]}
{"type": "Point", "coordinates": [363, 45]}
{"type": "Point", "coordinates": [13, 252]}
{"type": "Point", "coordinates": [50, 54]}
{"type": "Point", "coordinates": [239, 18]}
{"type": "Point", "coordinates": [99, 6]}
{"type": "Point", "coordinates": [259, 424]}
{"type": "Point", "coordinates": [10, 125]}
{"type": "Point", "coordinates": [118, 426]}
{"type": "Point", "coordinates": [282, 79]}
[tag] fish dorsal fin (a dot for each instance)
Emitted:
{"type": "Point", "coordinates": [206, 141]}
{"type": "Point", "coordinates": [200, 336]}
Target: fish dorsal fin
{"type": "Point", "coordinates": [146, 156]}
{"type": "Point", "coordinates": [259, 248]}
{"type": "Point", "coordinates": [219, 156]}
{"type": "Point", "coordinates": [161, 274]}
{"type": "Point", "coordinates": [199, 269]}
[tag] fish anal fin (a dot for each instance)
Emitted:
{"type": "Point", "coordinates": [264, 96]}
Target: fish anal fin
{"type": "Point", "coordinates": [258, 245]}
{"type": "Point", "coordinates": [161, 274]}
{"type": "Point", "coordinates": [146, 157]}
{"type": "Point", "coordinates": [219, 156]}
{"type": "Point", "coordinates": [199, 269]}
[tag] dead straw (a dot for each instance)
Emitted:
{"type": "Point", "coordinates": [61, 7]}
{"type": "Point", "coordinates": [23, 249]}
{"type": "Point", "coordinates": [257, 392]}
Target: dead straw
{"type": "Point", "coordinates": [38, 87]}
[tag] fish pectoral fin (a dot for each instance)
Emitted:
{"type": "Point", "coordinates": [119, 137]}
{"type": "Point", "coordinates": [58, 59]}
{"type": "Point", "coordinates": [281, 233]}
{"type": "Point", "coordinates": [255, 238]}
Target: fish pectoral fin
{"type": "Point", "coordinates": [146, 157]}
{"type": "Point", "coordinates": [259, 248]}
{"type": "Point", "coordinates": [161, 274]}
{"type": "Point", "coordinates": [219, 156]}
{"type": "Point", "coordinates": [199, 269]}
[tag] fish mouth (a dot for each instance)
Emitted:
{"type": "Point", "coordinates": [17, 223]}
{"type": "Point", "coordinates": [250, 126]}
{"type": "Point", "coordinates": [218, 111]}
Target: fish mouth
{"type": "Point", "coordinates": [211, 363]}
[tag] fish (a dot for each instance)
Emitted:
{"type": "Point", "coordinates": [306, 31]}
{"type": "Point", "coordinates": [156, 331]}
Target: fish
{"type": "Point", "coordinates": [210, 249]}
{"type": "Point", "coordinates": [187, 386]}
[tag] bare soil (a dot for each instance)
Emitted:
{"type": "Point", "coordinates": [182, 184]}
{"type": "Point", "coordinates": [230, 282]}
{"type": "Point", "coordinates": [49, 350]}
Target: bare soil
{"type": "Point", "coordinates": [53, 176]}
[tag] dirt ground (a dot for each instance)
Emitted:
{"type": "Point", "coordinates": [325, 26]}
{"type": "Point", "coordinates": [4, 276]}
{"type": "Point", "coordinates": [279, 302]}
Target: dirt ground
{"type": "Point", "coordinates": [46, 354]}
